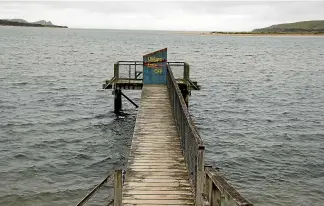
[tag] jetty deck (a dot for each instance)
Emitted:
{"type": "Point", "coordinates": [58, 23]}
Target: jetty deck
{"type": "Point", "coordinates": [156, 173]}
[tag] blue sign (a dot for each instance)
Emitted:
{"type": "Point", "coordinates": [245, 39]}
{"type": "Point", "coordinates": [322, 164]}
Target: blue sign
{"type": "Point", "coordinates": [154, 71]}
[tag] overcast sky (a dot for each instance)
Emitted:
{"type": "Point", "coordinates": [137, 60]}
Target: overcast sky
{"type": "Point", "coordinates": [165, 15]}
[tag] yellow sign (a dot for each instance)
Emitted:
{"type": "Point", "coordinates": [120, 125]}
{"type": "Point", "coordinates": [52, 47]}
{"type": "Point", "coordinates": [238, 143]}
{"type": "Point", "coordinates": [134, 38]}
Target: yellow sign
{"type": "Point", "coordinates": [155, 59]}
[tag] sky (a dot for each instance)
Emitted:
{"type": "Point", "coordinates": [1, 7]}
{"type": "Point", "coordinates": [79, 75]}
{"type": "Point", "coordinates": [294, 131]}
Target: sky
{"type": "Point", "coordinates": [164, 15]}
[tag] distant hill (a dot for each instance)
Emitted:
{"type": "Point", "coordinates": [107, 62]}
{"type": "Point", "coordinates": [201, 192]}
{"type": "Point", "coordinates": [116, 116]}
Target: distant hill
{"type": "Point", "coordinates": [22, 22]}
{"type": "Point", "coordinates": [17, 20]}
{"type": "Point", "coordinates": [43, 22]}
{"type": "Point", "coordinates": [314, 27]}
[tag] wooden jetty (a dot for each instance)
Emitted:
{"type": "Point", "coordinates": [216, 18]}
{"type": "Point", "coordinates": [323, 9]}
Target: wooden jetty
{"type": "Point", "coordinates": [166, 159]}
{"type": "Point", "coordinates": [156, 170]}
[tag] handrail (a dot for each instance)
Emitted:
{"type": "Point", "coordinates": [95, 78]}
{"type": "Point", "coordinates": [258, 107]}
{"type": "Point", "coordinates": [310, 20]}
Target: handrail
{"type": "Point", "coordinates": [117, 176]}
{"type": "Point", "coordinates": [110, 82]}
{"type": "Point", "coordinates": [205, 181]}
{"type": "Point", "coordinates": [191, 143]}
{"type": "Point", "coordinates": [94, 190]}
{"type": "Point", "coordinates": [183, 105]}
{"type": "Point", "coordinates": [192, 84]}
{"type": "Point", "coordinates": [133, 72]}
{"type": "Point", "coordinates": [219, 192]}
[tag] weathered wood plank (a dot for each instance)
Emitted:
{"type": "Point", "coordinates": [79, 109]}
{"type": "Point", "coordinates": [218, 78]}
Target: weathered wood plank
{"type": "Point", "coordinates": [155, 154]}
{"type": "Point", "coordinates": [158, 192]}
{"type": "Point", "coordinates": [153, 184]}
{"type": "Point", "coordinates": [149, 159]}
{"type": "Point", "coordinates": [157, 180]}
{"type": "Point", "coordinates": [174, 170]}
{"type": "Point", "coordinates": [158, 197]}
{"type": "Point", "coordinates": [159, 173]}
{"type": "Point", "coordinates": [182, 189]}
{"type": "Point", "coordinates": [153, 202]}
{"type": "Point", "coordinates": [157, 167]}
{"type": "Point", "coordinates": [157, 151]}
{"type": "Point", "coordinates": [154, 160]}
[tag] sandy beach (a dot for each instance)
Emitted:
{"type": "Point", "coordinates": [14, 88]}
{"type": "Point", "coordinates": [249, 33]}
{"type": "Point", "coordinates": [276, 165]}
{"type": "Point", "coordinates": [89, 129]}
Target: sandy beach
{"type": "Point", "coordinates": [202, 33]}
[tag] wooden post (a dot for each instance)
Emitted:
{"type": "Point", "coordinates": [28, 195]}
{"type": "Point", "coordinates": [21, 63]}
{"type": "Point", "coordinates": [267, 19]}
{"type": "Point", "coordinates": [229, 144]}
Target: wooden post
{"type": "Point", "coordinates": [222, 200]}
{"type": "Point", "coordinates": [186, 72]}
{"type": "Point", "coordinates": [209, 188]}
{"type": "Point", "coordinates": [116, 70]}
{"type": "Point", "coordinates": [117, 101]}
{"type": "Point", "coordinates": [186, 80]}
{"type": "Point", "coordinates": [129, 73]}
{"type": "Point", "coordinates": [118, 188]}
{"type": "Point", "coordinates": [135, 77]}
{"type": "Point", "coordinates": [185, 95]}
{"type": "Point", "coordinates": [215, 196]}
{"type": "Point", "coordinates": [200, 176]}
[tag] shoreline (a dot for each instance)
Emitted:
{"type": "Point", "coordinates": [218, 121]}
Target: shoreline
{"type": "Point", "coordinates": [54, 27]}
{"type": "Point", "coordinates": [20, 24]}
{"type": "Point", "coordinates": [242, 34]}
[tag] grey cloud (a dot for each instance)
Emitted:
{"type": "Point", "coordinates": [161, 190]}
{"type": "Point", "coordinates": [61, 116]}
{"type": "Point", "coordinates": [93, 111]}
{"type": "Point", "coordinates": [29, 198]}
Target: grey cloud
{"type": "Point", "coordinates": [224, 15]}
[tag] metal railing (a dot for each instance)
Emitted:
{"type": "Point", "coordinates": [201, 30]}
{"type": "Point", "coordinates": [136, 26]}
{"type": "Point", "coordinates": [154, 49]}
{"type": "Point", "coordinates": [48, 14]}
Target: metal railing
{"type": "Point", "coordinates": [133, 70]}
{"type": "Point", "coordinates": [191, 143]}
{"type": "Point", "coordinates": [209, 187]}
{"type": "Point", "coordinates": [117, 177]}
{"type": "Point", "coordinates": [130, 70]}
{"type": "Point", "coordinates": [218, 192]}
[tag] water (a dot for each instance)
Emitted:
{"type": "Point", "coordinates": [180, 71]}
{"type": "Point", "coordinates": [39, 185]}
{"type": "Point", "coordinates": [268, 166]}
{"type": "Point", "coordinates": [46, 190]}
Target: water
{"type": "Point", "coordinates": [259, 112]}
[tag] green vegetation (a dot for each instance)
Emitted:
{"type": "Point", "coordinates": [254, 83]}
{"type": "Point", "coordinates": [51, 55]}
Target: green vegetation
{"type": "Point", "coordinates": [21, 22]}
{"type": "Point", "coordinates": [303, 27]}
{"type": "Point", "coordinates": [297, 28]}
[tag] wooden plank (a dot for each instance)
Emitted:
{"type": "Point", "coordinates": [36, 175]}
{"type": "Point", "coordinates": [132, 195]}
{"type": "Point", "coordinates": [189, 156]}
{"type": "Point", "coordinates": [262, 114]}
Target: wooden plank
{"type": "Point", "coordinates": [156, 160]}
{"type": "Point", "coordinates": [156, 132]}
{"type": "Point", "coordinates": [148, 159]}
{"type": "Point", "coordinates": [153, 184]}
{"type": "Point", "coordinates": [128, 204]}
{"type": "Point", "coordinates": [156, 166]}
{"type": "Point", "coordinates": [148, 147]}
{"type": "Point", "coordinates": [163, 147]}
{"type": "Point", "coordinates": [153, 202]}
{"type": "Point", "coordinates": [170, 188]}
{"type": "Point", "coordinates": [157, 192]}
{"type": "Point", "coordinates": [156, 152]}
{"type": "Point", "coordinates": [157, 136]}
{"type": "Point", "coordinates": [157, 173]}
{"type": "Point", "coordinates": [156, 180]}
{"type": "Point", "coordinates": [158, 197]}
{"type": "Point", "coordinates": [150, 140]}
{"type": "Point", "coordinates": [173, 170]}
{"type": "Point", "coordinates": [156, 177]}
{"type": "Point", "coordinates": [182, 174]}
{"type": "Point", "coordinates": [161, 143]}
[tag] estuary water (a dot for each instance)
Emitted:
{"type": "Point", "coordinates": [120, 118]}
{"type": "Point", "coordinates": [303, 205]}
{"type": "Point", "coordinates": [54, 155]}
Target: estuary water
{"type": "Point", "coordinates": [260, 112]}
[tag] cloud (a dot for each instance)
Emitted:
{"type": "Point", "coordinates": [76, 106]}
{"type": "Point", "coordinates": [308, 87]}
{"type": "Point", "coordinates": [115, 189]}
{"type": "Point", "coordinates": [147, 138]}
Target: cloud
{"type": "Point", "coordinates": [166, 15]}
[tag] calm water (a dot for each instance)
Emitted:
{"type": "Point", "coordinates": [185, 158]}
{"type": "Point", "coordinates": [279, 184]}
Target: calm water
{"type": "Point", "coordinates": [260, 112]}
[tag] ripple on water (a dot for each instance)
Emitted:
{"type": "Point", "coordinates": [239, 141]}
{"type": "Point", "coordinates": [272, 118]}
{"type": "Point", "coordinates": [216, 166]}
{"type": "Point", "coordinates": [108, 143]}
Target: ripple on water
{"type": "Point", "coordinates": [259, 112]}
